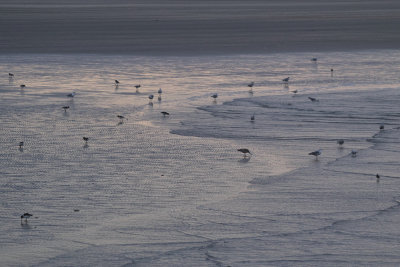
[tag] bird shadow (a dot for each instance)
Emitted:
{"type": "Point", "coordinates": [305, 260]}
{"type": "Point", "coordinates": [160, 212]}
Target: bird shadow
{"type": "Point", "coordinates": [21, 149]}
{"type": "Point", "coordinates": [120, 123]}
{"type": "Point", "coordinates": [85, 146]}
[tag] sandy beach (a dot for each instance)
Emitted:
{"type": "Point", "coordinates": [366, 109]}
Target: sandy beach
{"type": "Point", "coordinates": [197, 27]}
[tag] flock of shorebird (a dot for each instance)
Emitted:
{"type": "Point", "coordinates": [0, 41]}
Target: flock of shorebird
{"type": "Point", "coordinates": [246, 152]}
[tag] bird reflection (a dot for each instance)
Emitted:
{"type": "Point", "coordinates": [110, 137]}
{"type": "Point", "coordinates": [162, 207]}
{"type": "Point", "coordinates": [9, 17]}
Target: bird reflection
{"type": "Point", "coordinates": [26, 226]}
{"type": "Point", "coordinates": [244, 159]}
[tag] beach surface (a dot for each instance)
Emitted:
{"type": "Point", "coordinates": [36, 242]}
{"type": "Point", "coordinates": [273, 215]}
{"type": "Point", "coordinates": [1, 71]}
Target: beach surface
{"type": "Point", "coordinates": [197, 27]}
{"type": "Point", "coordinates": [156, 190]}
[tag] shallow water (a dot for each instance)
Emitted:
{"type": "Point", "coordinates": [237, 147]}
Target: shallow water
{"type": "Point", "coordinates": [155, 190]}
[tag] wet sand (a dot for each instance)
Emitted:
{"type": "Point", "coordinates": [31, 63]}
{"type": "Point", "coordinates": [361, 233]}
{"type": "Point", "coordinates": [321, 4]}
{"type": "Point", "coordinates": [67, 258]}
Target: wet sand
{"type": "Point", "coordinates": [197, 27]}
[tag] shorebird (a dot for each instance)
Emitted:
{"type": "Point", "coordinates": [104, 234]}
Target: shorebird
{"type": "Point", "coordinates": [65, 108]}
{"type": "Point", "coordinates": [340, 142]}
{"type": "Point", "coordinates": [331, 70]}
{"type": "Point", "coordinates": [22, 86]}
{"type": "Point", "coordinates": [381, 127]}
{"type": "Point", "coordinates": [71, 94]}
{"type": "Point", "coordinates": [121, 117]}
{"type": "Point", "coordinates": [251, 85]}
{"type": "Point", "coordinates": [253, 117]}
{"type": "Point", "coordinates": [116, 82]}
{"type": "Point", "coordinates": [214, 96]}
{"type": "Point", "coordinates": [378, 176]}
{"type": "Point", "coordinates": [10, 74]}
{"type": "Point", "coordinates": [137, 87]}
{"type": "Point", "coordinates": [353, 153]}
{"type": "Point", "coordinates": [294, 91]}
{"type": "Point", "coordinates": [165, 113]}
{"type": "Point", "coordinates": [160, 91]}
{"type": "Point", "coordinates": [151, 97]}
{"type": "Point", "coordinates": [21, 144]}
{"type": "Point", "coordinates": [313, 99]}
{"type": "Point", "coordinates": [315, 153]}
{"type": "Point", "coordinates": [314, 59]}
{"type": "Point", "coordinates": [245, 151]}
{"type": "Point", "coordinates": [86, 139]}
{"type": "Point", "coordinates": [286, 80]}
{"type": "Point", "coordinates": [26, 216]}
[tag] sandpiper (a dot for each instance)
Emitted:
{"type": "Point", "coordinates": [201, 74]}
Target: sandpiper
{"type": "Point", "coordinates": [245, 151]}
{"type": "Point", "coordinates": [26, 216]}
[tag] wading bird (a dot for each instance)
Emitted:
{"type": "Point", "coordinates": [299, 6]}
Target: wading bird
{"type": "Point", "coordinates": [245, 151]}
{"type": "Point", "coordinates": [26, 216]}
{"type": "Point", "coordinates": [316, 153]}
{"type": "Point", "coordinates": [122, 118]}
